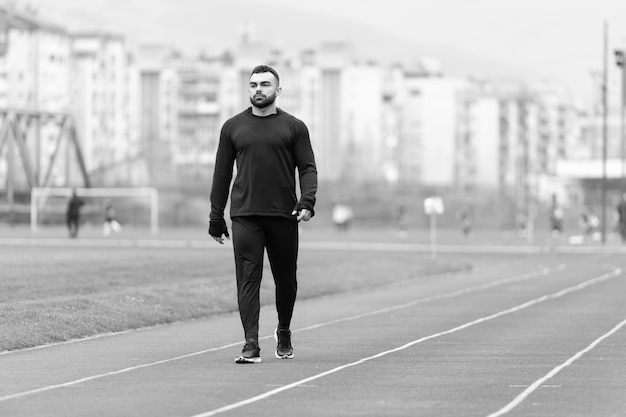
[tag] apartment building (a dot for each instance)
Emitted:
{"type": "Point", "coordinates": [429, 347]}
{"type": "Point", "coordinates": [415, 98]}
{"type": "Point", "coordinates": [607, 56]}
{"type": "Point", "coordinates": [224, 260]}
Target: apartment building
{"type": "Point", "coordinates": [157, 102]}
{"type": "Point", "coordinates": [429, 107]}
{"type": "Point", "coordinates": [35, 77]}
{"type": "Point", "coordinates": [35, 53]}
{"type": "Point", "coordinates": [184, 101]}
{"type": "Point", "coordinates": [203, 87]}
{"type": "Point", "coordinates": [478, 151]}
{"type": "Point", "coordinates": [538, 129]}
{"type": "Point", "coordinates": [103, 103]}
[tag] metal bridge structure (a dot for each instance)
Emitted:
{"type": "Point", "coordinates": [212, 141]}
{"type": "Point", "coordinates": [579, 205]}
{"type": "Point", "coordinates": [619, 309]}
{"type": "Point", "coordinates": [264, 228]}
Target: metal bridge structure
{"type": "Point", "coordinates": [31, 159]}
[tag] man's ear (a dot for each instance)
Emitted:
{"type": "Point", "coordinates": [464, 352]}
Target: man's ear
{"type": "Point", "coordinates": [279, 90]}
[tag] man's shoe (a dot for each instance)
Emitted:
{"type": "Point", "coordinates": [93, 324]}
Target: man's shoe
{"type": "Point", "coordinates": [251, 353]}
{"type": "Point", "coordinates": [284, 350]}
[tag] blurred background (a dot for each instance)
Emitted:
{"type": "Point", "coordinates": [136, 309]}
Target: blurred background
{"type": "Point", "coordinates": [509, 114]}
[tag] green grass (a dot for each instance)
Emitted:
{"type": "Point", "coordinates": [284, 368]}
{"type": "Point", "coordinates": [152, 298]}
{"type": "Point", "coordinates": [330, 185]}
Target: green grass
{"type": "Point", "coordinates": [50, 295]}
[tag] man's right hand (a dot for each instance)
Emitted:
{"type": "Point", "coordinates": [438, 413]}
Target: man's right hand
{"type": "Point", "coordinates": [218, 230]}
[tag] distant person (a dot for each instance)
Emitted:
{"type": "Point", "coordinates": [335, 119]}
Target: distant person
{"type": "Point", "coordinates": [342, 216]}
{"type": "Point", "coordinates": [268, 145]}
{"type": "Point", "coordinates": [522, 224]}
{"type": "Point", "coordinates": [621, 217]}
{"type": "Point", "coordinates": [593, 225]}
{"type": "Point", "coordinates": [556, 221]}
{"type": "Point", "coordinates": [74, 205]}
{"type": "Point", "coordinates": [400, 222]}
{"type": "Point", "coordinates": [583, 223]}
{"type": "Point", "coordinates": [110, 223]}
{"type": "Point", "coordinates": [465, 220]}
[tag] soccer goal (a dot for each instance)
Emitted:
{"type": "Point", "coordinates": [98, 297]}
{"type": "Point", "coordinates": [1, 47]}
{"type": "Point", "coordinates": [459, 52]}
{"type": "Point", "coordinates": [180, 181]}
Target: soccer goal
{"type": "Point", "coordinates": [51, 201]}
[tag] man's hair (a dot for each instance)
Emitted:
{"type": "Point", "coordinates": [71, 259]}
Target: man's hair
{"type": "Point", "coordinates": [264, 68]}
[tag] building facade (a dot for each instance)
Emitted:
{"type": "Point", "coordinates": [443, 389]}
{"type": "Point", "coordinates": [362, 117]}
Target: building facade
{"type": "Point", "coordinates": [35, 74]}
{"type": "Point", "coordinates": [103, 101]}
{"type": "Point", "coordinates": [153, 116]}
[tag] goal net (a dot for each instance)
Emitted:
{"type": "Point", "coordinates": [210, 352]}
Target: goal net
{"type": "Point", "coordinates": [132, 205]}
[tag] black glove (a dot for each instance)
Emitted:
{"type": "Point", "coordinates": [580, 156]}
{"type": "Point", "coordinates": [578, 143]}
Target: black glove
{"type": "Point", "coordinates": [217, 228]}
{"type": "Point", "coordinates": [299, 206]}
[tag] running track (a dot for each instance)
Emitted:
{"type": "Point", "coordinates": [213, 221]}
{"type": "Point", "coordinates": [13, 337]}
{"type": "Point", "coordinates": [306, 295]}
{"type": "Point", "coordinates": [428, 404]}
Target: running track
{"type": "Point", "coordinates": [520, 335]}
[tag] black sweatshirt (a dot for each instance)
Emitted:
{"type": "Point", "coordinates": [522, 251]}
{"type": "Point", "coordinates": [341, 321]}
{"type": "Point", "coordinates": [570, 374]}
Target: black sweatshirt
{"type": "Point", "coordinates": [267, 150]}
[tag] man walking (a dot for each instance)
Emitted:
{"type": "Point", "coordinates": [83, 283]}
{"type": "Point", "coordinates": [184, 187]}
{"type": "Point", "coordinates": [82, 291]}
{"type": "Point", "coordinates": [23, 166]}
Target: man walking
{"type": "Point", "coordinates": [74, 205]}
{"type": "Point", "coordinates": [268, 145]}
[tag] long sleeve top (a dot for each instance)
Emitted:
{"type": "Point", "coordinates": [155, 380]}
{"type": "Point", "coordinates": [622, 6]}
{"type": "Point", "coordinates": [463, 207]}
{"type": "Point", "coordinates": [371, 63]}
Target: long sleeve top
{"type": "Point", "coordinates": [267, 150]}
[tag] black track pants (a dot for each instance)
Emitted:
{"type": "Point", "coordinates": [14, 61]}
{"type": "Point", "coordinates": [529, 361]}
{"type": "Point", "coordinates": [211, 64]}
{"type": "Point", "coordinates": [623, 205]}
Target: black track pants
{"type": "Point", "coordinates": [251, 236]}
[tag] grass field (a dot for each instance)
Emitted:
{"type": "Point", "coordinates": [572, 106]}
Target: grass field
{"type": "Point", "coordinates": [55, 294]}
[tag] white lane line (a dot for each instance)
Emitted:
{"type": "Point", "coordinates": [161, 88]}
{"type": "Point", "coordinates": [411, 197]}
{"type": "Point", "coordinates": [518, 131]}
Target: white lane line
{"type": "Point", "coordinates": [538, 383]}
{"type": "Point", "coordinates": [542, 272]}
{"type": "Point", "coordinates": [495, 283]}
{"type": "Point", "coordinates": [82, 339]}
{"type": "Point", "coordinates": [515, 309]}
{"type": "Point", "coordinates": [120, 371]}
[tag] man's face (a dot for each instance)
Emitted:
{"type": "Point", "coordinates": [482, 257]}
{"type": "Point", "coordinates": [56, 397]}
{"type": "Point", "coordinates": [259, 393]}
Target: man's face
{"type": "Point", "coordinates": [263, 89]}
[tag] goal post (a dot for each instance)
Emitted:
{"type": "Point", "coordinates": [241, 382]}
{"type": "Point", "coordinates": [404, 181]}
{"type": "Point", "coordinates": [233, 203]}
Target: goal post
{"type": "Point", "coordinates": [40, 195]}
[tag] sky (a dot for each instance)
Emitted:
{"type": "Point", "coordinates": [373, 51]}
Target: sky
{"type": "Point", "coordinates": [558, 40]}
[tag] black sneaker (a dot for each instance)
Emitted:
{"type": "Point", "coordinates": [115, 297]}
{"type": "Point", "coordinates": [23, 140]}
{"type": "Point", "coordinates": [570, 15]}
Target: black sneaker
{"type": "Point", "coordinates": [283, 344]}
{"type": "Point", "coordinates": [251, 353]}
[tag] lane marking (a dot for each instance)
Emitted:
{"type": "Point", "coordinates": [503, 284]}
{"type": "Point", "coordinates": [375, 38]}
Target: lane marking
{"type": "Point", "coordinates": [493, 284]}
{"type": "Point", "coordinates": [503, 281]}
{"type": "Point", "coordinates": [120, 371]}
{"type": "Point", "coordinates": [522, 277]}
{"type": "Point", "coordinates": [528, 275]}
{"type": "Point", "coordinates": [538, 383]}
{"type": "Point", "coordinates": [515, 309]}
{"type": "Point", "coordinates": [82, 339]}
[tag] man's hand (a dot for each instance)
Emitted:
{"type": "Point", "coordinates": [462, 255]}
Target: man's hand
{"type": "Point", "coordinates": [218, 230]}
{"type": "Point", "coordinates": [303, 214]}
{"type": "Point", "coordinates": [220, 239]}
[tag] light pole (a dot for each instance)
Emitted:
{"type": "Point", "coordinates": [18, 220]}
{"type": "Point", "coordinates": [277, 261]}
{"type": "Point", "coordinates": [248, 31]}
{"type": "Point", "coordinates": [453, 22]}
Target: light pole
{"type": "Point", "coordinates": [605, 113]}
{"type": "Point", "coordinates": [620, 60]}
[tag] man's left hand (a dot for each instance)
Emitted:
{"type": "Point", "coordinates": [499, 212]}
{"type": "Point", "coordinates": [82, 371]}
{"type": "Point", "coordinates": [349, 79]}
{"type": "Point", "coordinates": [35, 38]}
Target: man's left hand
{"type": "Point", "coordinates": [303, 214]}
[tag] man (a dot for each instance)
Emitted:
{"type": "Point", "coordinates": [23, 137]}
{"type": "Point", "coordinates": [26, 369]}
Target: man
{"type": "Point", "coordinates": [268, 145]}
{"type": "Point", "coordinates": [621, 217]}
{"type": "Point", "coordinates": [110, 223]}
{"type": "Point", "coordinates": [73, 214]}
{"type": "Point", "coordinates": [465, 220]}
{"type": "Point", "coordinates": [556, 221]}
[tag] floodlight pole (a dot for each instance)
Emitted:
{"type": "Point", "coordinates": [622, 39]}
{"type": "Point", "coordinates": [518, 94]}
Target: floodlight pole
{"type": "Point", "coordinates": [154, 214]}
{"type": "Point", "coordinates": [604, 127]}
{"type": "Point", "coordinates": [623, 127]}
{"type": "Point", "coordinates": [433, 235]}
{"type": "Point", "coordinates": [620, 60]}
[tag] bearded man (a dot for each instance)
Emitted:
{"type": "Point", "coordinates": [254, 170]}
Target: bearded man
{"type": "Point", "coordinates": [268, 145]}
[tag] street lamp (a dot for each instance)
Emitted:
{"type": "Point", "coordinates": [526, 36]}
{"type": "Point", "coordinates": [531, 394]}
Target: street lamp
{"type": "Point", "coordinates": [620, 60]}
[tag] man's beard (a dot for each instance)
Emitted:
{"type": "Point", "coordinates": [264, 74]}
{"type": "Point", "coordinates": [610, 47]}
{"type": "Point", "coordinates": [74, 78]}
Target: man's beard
{"type": "Point", "coordinates": [266, 101]}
